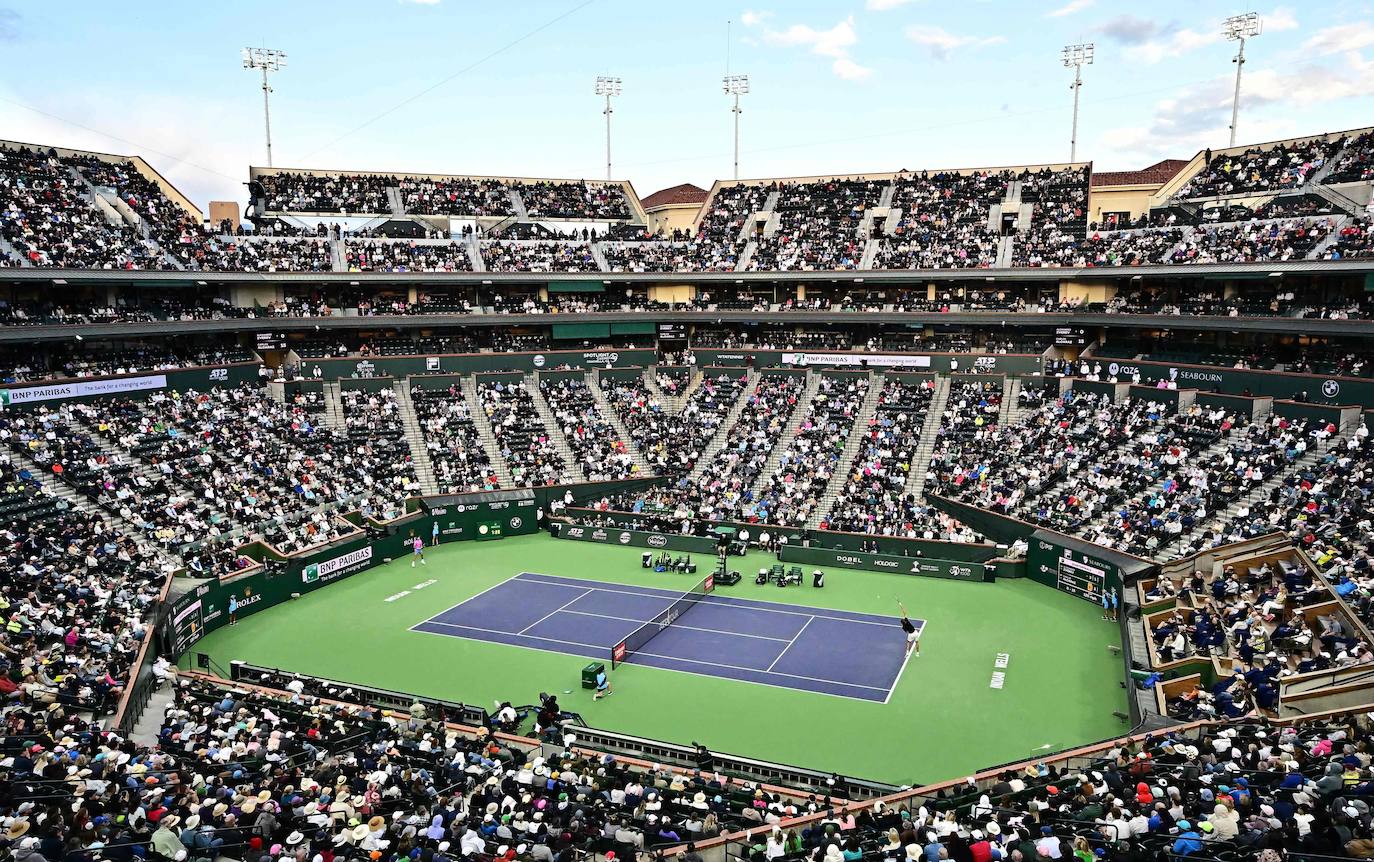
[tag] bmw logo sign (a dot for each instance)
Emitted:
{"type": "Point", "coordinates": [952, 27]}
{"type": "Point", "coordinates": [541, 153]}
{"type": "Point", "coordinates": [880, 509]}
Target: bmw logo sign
{"type": "Point", "coordinates": [515, 523]}
{"type": "Point", "coordinates": [1331, 389]}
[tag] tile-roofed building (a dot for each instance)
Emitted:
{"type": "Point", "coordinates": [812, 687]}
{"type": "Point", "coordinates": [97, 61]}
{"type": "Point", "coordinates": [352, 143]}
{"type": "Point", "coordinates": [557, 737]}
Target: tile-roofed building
{"type": "Point", "coordinates": [1157, 174]}
{"type": "Point", "coordinates": [674, 208]}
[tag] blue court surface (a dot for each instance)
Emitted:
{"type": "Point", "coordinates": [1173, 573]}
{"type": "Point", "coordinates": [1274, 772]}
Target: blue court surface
{"type": "Point", "coordinates": [825, 651]}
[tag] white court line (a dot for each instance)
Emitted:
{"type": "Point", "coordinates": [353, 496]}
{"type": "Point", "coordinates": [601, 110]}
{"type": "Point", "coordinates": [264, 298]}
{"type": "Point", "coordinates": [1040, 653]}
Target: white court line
{"type": "Point", "coordinates": [513, 634]}
{"type": "Point", "coordinates": [716, 599]}
{"type": "Point", "coordinates": [668, 658]}
{"type": "Point", "coordinates": [727, 599]}
{"type": "Point", "coordinates": [789, 645]}
{"type": "Point", "coordinates": [677, 625]}
{"type": "Point", "coordinates": [906, 660]}
{"type": "Point", "coordinates": [651, 667]}
{"type": "Point", "coordinates": [546, 616]}
{"type": "Point", "coordinates": [463, 602]}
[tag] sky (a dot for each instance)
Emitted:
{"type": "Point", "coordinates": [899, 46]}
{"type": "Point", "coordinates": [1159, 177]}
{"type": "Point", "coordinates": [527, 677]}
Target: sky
{"type": "Point", "coordinates": [838, 87]}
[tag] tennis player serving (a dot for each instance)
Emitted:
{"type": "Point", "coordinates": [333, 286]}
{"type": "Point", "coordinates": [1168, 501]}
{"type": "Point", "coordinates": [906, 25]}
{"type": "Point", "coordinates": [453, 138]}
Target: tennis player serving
{"type": "Point", "coordinates": [913, 634]}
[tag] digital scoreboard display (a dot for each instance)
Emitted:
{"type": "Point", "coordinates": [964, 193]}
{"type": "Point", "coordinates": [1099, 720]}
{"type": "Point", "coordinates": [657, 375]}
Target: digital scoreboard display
{"type": "Point", "coordinates": [1070, 336]}
{"type": "Point", "coordinates": [269, 340]}
{"type": "Point", "coordinates": [1071, 571]}
{"type": "Point", "coordinates": [672, 331]}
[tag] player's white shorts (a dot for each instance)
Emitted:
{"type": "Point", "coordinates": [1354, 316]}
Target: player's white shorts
{"type": "Point", "coordinates": [911, 638]}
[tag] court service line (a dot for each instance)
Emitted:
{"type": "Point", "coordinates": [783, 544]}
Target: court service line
{"type": "Point", "coordinates": [713, 598]}
{"type": "Point", "coordinates": [825, 680]}
{"type": "Point", "coordinates": [556, 610]}
{"type": "Point", "coordinates": [677, 625]}
{"type": "Point", "coordinates": [789, 645]}
{"type": "Point", "coordinates": [534, 648]}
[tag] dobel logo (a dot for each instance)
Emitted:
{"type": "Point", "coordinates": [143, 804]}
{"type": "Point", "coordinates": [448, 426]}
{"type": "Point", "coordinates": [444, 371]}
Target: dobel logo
{"type": "Point", "coordinates": [658, 541]}
{"type": "Point", "coordinates": [1331, 389]}
{"type": "Point", "coordinates": [538, 360]}
{"type": "Point", "coordinates": [625, 538]}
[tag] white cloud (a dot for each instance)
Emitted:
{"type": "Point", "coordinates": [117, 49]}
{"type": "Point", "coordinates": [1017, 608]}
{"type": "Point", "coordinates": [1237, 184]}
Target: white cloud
{"type": "Point", "coordinates": [884, 5]}
{"type": "Point", "coordinates": [828, 43]}
{"type": "Point", "coordinates": [1342, 38]}
{"type": "Point", "coordinates": [849, 70]}
{"type": "Point", "coordinates": [1271, 109]}
{"type": "Point", "coordinates": [1175, 44]}
{"type": "Point", "coordinates": [834, 43]}
{"type": "Point", "coordinates": [1280, 19]}
{"type": "Point", "coordinates": [422, 2]}
{"type": "Point", "coordinates": [941, 43]}
{"type": "Point", "coordinates": [751, 18]}
{"type": "Point", "coordinates": [1069, 8]}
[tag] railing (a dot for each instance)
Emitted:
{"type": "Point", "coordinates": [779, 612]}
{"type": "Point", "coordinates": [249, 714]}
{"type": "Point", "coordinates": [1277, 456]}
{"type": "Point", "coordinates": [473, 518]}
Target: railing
{"type": "Point", "coordinates": [142, 683]}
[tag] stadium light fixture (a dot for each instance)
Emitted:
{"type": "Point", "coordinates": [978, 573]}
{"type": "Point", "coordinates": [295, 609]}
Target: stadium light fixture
{"type": "Point", "coordinates": [1076, 56]}
{"type": "Point", "coordinates": [608, 87]}
{"type": "Point", "coordinates": [736, 85]}
{"type": "Point", "coordinates": [268, 60]}
{"type": "Point", "coordinates": [1238, 28]}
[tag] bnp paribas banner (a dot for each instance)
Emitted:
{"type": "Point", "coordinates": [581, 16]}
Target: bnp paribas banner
{"type": "Point", "coordinates": [81, 389]}
{"type": "Point", "coordinates": [328, 570]}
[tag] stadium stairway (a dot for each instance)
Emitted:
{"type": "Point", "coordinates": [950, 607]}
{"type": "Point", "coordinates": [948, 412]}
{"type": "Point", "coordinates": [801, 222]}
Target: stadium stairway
{"type": "Point", "coordinates": [604, 405]}
{"type": "Point", "coordinates": [870, 252]}
{"type": "Point", "coordinates": [574, 471]}
{"type": "Point", "coordinates": [672, 404]}
{"type": "Point", "coordinates": [484, 433]}
{"type": "Point", "coordinates": [1015, 413]}
{"type": "Point", "coordinates": [338, 260]}
{"type": "Point", "coordinates": [475, 253]}
{"type": "Point", "coordinates": [1220, 518]}
{"type": "Point", "coordinates": [333, 406]}
{"type": "Point", "coordinates": [1011, 388]}
{"type": "Point", "coordinates": [930, 428]}
{"type": "Point", "coordinates": [518, 205]}
{"type": "Point", "coordinates": [783, 444]}
{"type": "Point", "coordinates": [746, 256]}
{"type": "Point", "coordinates": [149, 723]}
{"type": "Point", "coordinates": [12, 253]}
{"type": "Point", "coordinates": [1004, 249]}
{"type": "Point", "coordinates": [599, 255]}
{"type": "Point", "coordinates": [393, 196]}
{"type": "Point", "coordinates": [722, 436]}
{"type": "Point", "coordinates": [415, 438]}
{"type": "Point", "coordinates": [845, 465]}
{"type": "Point", "coordinates": [1330, 240]}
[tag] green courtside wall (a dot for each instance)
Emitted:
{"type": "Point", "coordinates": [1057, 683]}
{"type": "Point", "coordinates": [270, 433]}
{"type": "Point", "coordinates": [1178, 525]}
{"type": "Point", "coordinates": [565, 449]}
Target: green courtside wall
{"type": "Point", "coordinates": [890, 545]}
{"type": "Point", "coordinates": [1326, 389]}
{"type": "Point", "coordinates": [206, 607]}
{"type": "Point", "coordinates": [639, 539]}
{"type": "Point", "coordinates": [1005, 363]}
{"type": "Point", "coordinates": [959, 570]}
{"type": "Point", "coordinates": [466, 363]}
{"type": "Point", "coordinates": [127, 385]}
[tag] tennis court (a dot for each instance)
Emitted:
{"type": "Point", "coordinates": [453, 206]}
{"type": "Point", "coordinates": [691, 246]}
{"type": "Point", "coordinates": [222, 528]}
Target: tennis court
{"type": "Point", "coordinates": [826, 651]}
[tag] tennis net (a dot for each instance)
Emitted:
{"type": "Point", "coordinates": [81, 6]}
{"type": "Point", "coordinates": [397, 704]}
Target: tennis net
{"type": "Point", "coordinates": [637, 639]}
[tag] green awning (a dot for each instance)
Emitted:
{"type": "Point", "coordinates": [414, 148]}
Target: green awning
{"type": "Point", "coordinates": [576, 287]}
{"type": "Point", "coordinates": [581, 330]}
{"type": "Point", "coordinates": [637, 328]}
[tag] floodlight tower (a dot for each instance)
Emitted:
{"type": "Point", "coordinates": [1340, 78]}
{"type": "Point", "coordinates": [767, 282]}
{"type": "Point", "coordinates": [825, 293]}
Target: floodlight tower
{"type": "Point", "coordinates": [608, 87]}
{"type": "Point", "coordinates": [736, 85]}
{"type": "Point", "coordinates": [1076, 56]}
{"type": "Point", "coordinates": [268, 60]}
{"type": "Point", "coordinates": [1238, 28]}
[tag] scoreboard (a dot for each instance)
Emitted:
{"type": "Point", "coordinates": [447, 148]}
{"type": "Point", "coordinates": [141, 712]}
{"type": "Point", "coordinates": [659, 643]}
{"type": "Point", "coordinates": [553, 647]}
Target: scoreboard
{"type": "Point", "coordinates": [1070, 336]}
{"type": "Point", "coordinates": [1071, 571]}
